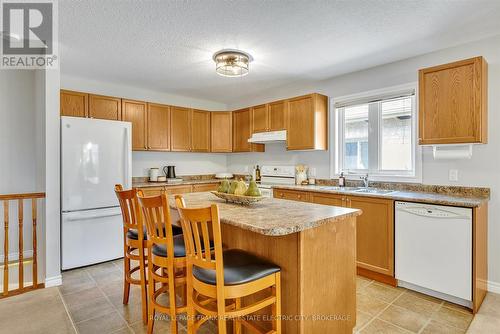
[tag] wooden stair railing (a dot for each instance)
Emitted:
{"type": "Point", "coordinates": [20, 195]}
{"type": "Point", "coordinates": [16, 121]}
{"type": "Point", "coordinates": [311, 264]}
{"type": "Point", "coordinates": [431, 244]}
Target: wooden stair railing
{"type": "Point", "coordinates": [21, 261]}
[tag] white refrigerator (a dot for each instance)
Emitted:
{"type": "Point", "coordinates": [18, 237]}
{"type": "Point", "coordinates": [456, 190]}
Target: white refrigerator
{"type": "Point", "coordinates": [95, 155]}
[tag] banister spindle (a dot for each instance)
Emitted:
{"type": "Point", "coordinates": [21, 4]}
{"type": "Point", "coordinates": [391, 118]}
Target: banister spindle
{"type": "Point", "coordinates": [35, 262]}
{"type": "Point", "coordinates": [6, 248]}
{"type": "Point", "coordinates": [20, 260]}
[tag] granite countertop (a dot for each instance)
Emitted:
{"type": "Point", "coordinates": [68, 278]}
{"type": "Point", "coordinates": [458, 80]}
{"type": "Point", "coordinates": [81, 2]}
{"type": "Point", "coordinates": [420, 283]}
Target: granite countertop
{"type": "Point", "coordinates": [271, 216]}
{"type": "Point", "coordinates": [167, 184]}
{"type": "Point", "coordinates": [400, 195]}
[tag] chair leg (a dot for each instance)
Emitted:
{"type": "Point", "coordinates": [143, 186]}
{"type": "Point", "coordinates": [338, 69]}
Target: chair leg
{"type": "Point", "coordinates": [144, 296]}
{"type": "Point", "coordinates": [171, 296]}
{"type": "Point", "coordinates": [189, 300]}
{"type": "Point", "coordinates": [126, 274]}
{"type": "Point", "coordinates": [236, 322]}
{"type": "Point", "coordinates": [276, 308]}
{"type": "Point", "coordinates": [151, 291]}
{"type": "Point", "coordinates": [221, 313]}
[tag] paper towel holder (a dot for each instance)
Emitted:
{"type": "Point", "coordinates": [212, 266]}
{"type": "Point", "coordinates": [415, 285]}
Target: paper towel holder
{"type": "Point", "coordinates": [454, 151]}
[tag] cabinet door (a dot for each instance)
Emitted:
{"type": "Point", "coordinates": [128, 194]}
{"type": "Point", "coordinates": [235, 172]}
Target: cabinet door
{"type": "Point", "coordinates": [180, 128]}
{"type": "Point", "coordinates": [74, 104]}
{"type": "Point", "coordinates": [105, 107]}
{"type": "Point", "coordinates": [374, 233]}
{"type": "Point", "coordinates": [292, 195]}
{"type": "Point", "coordinates": [135, 112]}
{"type": "Point", "coordinates": [277, 116]}
{"type": "Point", "coordinates": [301, 123]}
{"type": "Point", "coordinates": [221, 131]}
{"type": "Point", "coordinates": [200, 131]}
{"type": "Point", "coordinates": [152, 191]}
{"type": "Point", "coordinates": [158, 127]}
{"type": "Point", "coordinates": [452, 106]}
{"type": "Point", "coordinates": [328, 199]}
{"type": "Point", "coordinates": [242, 125]}
{"type": "Point", "coordinates": [260, 119]}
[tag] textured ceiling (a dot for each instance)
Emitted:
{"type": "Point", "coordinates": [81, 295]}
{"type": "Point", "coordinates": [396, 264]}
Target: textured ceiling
{"type": "Point", "coordinates": [168, 45]}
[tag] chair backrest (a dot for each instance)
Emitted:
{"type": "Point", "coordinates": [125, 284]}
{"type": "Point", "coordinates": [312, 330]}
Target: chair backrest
{"type": "Point", "coordinates": [156, 213]}
{"type": "Point", "coordinates": [131, 214]}
{"type": "Point", "coordinates": [199, 226]}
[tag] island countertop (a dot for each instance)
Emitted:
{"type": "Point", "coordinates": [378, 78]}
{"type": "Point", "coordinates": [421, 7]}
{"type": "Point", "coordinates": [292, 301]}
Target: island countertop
{"type": "Point", "coordinates": [271, 216]}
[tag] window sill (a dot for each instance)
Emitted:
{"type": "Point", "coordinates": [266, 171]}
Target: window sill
{"type": "Point", "coordinates": [382, 178]}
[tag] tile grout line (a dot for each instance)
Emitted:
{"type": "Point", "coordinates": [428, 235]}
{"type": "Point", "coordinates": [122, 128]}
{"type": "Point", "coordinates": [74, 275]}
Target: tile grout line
{"type": "Point", "coordinates": [430, 317]}
{"type": "Point", "coordinates": [67, 311]}
{"type": "Point", "coordinates": [109, 301]}
{"type": "Point", "coordinates": [381, 311]}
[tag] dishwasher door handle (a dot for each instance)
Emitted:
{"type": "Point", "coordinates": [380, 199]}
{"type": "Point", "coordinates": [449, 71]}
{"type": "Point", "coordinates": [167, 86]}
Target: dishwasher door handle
{"type": "Point", "coordinates": [432, 213]}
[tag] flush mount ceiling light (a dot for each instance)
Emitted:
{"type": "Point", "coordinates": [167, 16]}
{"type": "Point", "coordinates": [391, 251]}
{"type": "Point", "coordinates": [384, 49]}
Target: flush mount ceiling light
{"type": "Point", "coordinates": [232, 63]}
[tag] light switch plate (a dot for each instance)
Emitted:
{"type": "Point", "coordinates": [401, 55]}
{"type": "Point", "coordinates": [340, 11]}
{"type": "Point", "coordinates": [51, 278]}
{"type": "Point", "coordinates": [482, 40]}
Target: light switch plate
{"type": "Point", "coordinates": [453, 175]}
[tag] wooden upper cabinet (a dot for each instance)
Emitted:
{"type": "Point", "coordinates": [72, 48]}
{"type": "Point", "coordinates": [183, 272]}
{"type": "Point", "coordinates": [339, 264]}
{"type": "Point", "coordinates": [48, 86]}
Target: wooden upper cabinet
{"type": "Point", "coordinates": [242, 125]}
{"type": "Point", "coordinates": [260, 118]}
{"type": "Point", "coordinates": [221, 132]}
{"type": "Point", "coordinates": [105, 107]}
{"type": "Point", "coordinates": [374, 233]}
{"type": "Point", "coordinates": [200, 131]}
{"type": "Point", "coordinates": [453, 103]}
{"type": "Point", "coordinates": [158, 125]}
{"type": "Point", "coordinates": [136, 113]}
{"type": "Point", "coordinates": [74, 104]}
{"type": "Point", "coordinates": [307, 123]}
{"type": "Point", "coordinates": [180, 129]}
{"type": "Point", "coordinates": [277, 116]}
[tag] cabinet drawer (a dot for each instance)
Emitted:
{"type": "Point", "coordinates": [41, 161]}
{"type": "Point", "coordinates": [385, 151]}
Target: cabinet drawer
{"type": "Point", "coordinates": [152, 191]}
{"type": "Point", "coordinates": [178, 189]}
{"type": "Point", "coordinates": [291, 195]}
{"type": "Point", "coordinates": [328, 199]}
{"type": "Point", "coordinates": [205, 187]}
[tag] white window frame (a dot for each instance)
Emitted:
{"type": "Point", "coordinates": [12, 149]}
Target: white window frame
{"type": "Point", "coordinates": [337, 154]}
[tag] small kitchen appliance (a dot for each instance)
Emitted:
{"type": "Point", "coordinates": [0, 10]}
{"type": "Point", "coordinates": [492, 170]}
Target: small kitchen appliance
{"type": "Point", "coordinates": [153, 174]}
{"type": "Point", "coordinates": [169, 172]}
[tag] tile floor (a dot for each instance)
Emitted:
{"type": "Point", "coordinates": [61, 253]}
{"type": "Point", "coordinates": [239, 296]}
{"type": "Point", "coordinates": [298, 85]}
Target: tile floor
{"type": "Point", "coordinates": [90, 301]}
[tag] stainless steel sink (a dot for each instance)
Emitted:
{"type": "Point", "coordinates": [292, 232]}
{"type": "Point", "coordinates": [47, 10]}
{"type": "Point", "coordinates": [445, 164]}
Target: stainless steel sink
{"type": "Point", "coordinates": [373, 191]}
{"type": "Point", "coordinates": [337, 188]}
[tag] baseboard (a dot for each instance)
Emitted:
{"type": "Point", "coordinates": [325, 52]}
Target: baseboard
{"type": "Point", "coordinates": [53, 281]}
{"type": "Point", "coordinates": [493, 287]}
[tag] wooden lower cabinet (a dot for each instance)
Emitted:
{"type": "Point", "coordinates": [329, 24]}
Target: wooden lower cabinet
{"type": "Point", "coordinates": [179, 189]}
{"type": "Point", "coordinates": [374, 229]}
{"type": "Point", "coordinates": [205, 187]}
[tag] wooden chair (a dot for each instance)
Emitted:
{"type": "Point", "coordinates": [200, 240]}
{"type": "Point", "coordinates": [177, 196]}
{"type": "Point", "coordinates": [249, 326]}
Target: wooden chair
{"type": "Point", "coordinates": [133, 239]}
{"type": "Point", "coordinates": [166, 260]}
{"type": "Point", "coordinates": [217, 281]}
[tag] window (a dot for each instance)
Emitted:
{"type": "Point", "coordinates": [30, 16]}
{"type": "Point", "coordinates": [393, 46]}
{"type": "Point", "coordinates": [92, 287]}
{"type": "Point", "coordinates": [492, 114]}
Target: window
{"type": "Point", "coordinates": [376, 135]}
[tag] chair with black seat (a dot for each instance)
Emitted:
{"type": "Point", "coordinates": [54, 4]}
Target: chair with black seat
{"type": "Point", "coordinates": [133, 245]}
{"type": "Point", "coordinates": [166, 260]}
{"type": "Point", "coordinates": [217, 281]}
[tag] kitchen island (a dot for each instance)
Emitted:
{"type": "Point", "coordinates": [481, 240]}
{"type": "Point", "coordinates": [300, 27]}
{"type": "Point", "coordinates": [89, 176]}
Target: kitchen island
{"type": "Point", "coordinates": [315, 246]}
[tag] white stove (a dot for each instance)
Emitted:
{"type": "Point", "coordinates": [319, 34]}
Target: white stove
{"type": "Point", "coordinates": [273, 176]}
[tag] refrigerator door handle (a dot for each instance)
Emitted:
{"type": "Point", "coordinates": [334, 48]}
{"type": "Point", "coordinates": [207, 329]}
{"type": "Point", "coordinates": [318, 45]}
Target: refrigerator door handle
{"type": "Point", "coordinates": [126, 160]}
{"type": "Point", "coordinates": [78, 217]}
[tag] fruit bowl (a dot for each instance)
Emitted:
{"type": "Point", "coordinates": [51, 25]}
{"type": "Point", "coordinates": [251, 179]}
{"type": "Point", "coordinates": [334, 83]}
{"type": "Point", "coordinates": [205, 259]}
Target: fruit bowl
{"type": "Point", "coordinates": [238, 199]}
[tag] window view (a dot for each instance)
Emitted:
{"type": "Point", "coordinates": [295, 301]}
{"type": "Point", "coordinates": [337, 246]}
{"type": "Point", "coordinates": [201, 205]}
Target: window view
{"type": "Point", "coordinates": [377, 137]}
{"type": "Point", "coordinates": [356, 137]}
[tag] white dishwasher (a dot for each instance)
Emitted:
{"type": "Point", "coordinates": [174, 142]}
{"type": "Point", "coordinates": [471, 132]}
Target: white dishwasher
{"type": "Point", "coordinates": [433, 250]}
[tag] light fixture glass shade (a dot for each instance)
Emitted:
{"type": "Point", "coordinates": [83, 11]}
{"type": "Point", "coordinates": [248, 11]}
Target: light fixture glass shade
{"type": "Point", "coordinates": [230, 63]}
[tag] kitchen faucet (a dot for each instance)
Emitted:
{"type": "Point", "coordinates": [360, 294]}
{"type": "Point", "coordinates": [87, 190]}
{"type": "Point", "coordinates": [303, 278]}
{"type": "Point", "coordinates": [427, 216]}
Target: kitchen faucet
{"type": "Point", "coordinates": [366, 182]}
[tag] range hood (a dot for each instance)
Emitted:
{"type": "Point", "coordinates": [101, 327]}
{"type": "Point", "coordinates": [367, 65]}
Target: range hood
{"type": "Point", "coordinates": [268, 137]}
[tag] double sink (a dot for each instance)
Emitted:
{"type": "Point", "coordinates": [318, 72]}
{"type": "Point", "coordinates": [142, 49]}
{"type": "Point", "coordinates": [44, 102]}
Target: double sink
{"type": "Point", "coordinates": [360, 190]}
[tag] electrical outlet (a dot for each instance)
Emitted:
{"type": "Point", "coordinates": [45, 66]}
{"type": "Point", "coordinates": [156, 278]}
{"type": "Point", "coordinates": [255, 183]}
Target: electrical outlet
{"type": "Point", "coordinates": [453, 175]}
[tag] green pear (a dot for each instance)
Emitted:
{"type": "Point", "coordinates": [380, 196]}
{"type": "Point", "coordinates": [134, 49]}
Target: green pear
{"type": "Point", "coordinates": [223, 187]}
{"type": "Point", "coordinates": [232, 187]}
{"type": "Point", "coordinates": [253, 190]}
{"type": "Point", "coordinates": [241, 188]}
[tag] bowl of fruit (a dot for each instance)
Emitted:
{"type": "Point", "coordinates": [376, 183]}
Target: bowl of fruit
{"type": "Point", "coordinates": [237, 192]}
